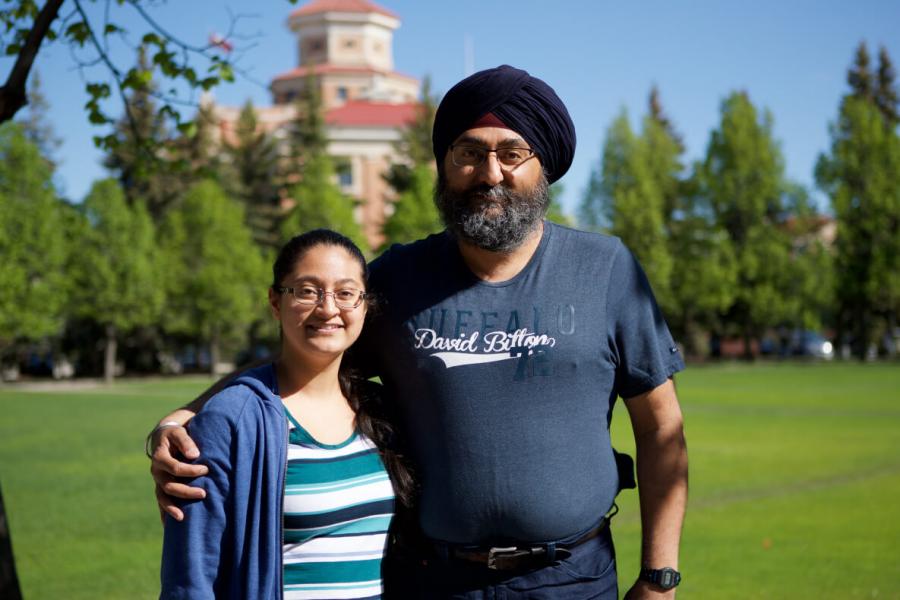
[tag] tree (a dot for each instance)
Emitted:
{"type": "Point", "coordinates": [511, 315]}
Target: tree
{"type": "Point", "coordinates": [33, 297]}
{"type": "Point", "coordinates": [811, 283]}
{"type": "Point", "coordinates": [36, 126]}
{"type": "Point", "coordinates": [703, 275]}
{"type": "Point", "coordinates": [664, 151]}
{"type": "Point", "coordinates": [306, 136]}
{"type": "Point", "coordinates": [143, 139]}
{"type": "Point", "coordinates": [415, 215]}
{"type": "Point", "coordinates": [860, 177]}
{"type": "Point", "coordinates": [255, 173]}
{"type": "Point", "coordinates": [860, 74]}
{"type": "Point", "coordinates": [886, 90]}
{"type": "Point", "coordinates": [318, 202]}
{"type": "Point", "coordinates": [118, 276]}
{"type": "Point", "coordinates": [555, 210]}
{"type": "Point", "coordinates": [196, 155]}
{"type": "Point", "coordinates": [624, 196]}
{"type": "Point", "coordinates": [413, 177]}
{"type": "Point", "coordinates": [27, 28]}
{"type": "Point", "coordinates": [9, 581]}
{"type": "Point", "coordinates": [215, 278]}
{"type": "Point", "coordinates": [414, 147]}
{"type": "Point", "coordinates": [743, 179]}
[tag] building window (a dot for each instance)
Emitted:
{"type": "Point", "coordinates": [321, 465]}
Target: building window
{"type": "Point", "coordinates": [344, 173]}
{"type": "Point", "coordinates": [342, 93]}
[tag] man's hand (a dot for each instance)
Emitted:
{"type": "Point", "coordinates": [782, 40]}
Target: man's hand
{"type": "Point", "coordinates": [168, 471]}
{"type": "Point", "coordinates": [643, 590]}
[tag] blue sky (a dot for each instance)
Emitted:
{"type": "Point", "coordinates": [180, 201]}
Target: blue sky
{"type": "Point", "coordinates": [600, 56]}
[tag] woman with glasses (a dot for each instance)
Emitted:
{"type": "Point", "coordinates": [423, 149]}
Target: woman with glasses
{"type": "Point", "coordinates": [298, 495]}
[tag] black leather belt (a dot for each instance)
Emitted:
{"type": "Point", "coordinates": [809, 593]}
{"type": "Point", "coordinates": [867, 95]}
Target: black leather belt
{"type": "Point", "coordinates": [510, 558]}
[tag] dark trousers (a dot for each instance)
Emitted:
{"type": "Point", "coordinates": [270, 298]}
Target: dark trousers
{"type": "Point", "coordinates": [589, 573]}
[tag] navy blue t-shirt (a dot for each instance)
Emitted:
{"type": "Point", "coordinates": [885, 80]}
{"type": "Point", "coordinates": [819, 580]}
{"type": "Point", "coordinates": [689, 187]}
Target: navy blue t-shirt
{"type": "Point", "coordinates": [505, 390]}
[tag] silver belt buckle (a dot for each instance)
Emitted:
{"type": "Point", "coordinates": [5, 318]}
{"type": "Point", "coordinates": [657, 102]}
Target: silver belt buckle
{"type": "Point", "coordinates": [497, 557]}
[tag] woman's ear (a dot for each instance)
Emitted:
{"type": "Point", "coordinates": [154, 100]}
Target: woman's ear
{"type": "Point", "coordinates": [275, 303]}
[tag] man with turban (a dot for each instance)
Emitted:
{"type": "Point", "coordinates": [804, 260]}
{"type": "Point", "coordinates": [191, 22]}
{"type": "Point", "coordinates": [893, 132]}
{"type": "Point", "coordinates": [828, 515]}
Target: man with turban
{"type": "Point", "coordinates": [505, 341]}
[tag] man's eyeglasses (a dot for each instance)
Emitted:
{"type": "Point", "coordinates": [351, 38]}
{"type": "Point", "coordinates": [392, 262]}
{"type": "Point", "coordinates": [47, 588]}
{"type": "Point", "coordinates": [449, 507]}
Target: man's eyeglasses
{"type": "Point", "coordinates": [307, 295]}
{"type": "Point", "coordinates": [466, 155]}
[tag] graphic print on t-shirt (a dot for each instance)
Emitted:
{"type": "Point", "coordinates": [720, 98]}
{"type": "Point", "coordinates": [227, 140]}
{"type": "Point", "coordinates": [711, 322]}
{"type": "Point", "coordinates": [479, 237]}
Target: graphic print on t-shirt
{"type": "Point", "coordinates": [466, 337]}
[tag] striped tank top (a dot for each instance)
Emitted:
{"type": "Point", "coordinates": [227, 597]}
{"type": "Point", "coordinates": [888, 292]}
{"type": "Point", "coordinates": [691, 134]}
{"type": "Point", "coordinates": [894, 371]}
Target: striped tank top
{"type": "Point", "coordinates": [338, 504]}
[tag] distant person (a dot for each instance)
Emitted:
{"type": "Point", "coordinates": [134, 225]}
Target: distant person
{"type": "Point", "coordinates": [297, 496]}
{"type": "Point", "coordinates": [504, 342]}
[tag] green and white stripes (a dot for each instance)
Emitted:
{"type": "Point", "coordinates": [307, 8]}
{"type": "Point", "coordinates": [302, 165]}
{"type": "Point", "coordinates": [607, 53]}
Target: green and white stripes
{"type": "Point", "coordinates": [338, 506]}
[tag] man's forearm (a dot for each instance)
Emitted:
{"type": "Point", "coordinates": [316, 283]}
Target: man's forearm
{"type": "Point", "coordinates": [662, 469]}
{"type": "Point", "coordinates": [188, 411]}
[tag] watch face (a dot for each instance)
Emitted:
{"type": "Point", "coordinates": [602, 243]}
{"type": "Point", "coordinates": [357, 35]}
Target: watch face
{"type": "Point", "coordinates": [668, 578]}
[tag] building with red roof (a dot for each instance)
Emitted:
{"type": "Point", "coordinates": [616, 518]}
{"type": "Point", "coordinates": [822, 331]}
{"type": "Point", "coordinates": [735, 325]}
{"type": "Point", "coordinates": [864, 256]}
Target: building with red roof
{"type": "Point", "coordinates": [347, 47]}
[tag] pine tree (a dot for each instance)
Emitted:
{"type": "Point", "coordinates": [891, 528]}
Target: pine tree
{"type": "Point", "coordinates": [625, 196]}
{"type": "Point", "coordinates": [118, 275]}
{"type": "Point", "coordinates": [743, 179]}
{"type": "Point", "coordinates": [195, 155]}
{"type": "Point", "coordinates": [664, 150]}
{"type": "Point", "coordinates": [886, 90]}
{"type": "Point", "coordinates": [860, 176]}
{"type": "Point", "coordinates": [413, 177]}
{"type": "Point", "coordinates": [307, 137]}
{"type": "Point", "coordinates": [703, 275]}
{"type": "Point", "coordinates": [318, 201]}
{"type": "Point", "coordinates": [860, 74]}
{"type": "Point", "coordinates": [143, 141]}
{"type": "Point", "coordinates": [215, 277]}
{"type": "Point", "coordinates": [415, 214]}
{"type": "Point", "coordinates": [255, 172]}
{"type": "Point", "coordinates": [414, 148]}
{"type": "Point", "coordinates": [36, 124]}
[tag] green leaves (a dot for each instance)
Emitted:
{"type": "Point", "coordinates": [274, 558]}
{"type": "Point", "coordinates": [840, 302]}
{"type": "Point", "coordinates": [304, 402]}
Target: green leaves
{"type": "Point", "coordinates": [33, 242]}
{"type": "Point", "coordinates": [860, 176]}
{"type": "Point", "coordinates": [117, 271]}
{"type": "Point", "coordinates": [415, 216]}
{"type": "Point", "coordinates": [78, 32]}
{"type": "Point", "coordinates": [215, 276]}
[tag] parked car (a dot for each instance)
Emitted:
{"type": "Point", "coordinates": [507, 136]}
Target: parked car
{"type": "Point", "coordinates": [812, 344]}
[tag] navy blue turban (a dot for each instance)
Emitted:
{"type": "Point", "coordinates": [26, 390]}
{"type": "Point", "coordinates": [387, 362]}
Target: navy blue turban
{"type": "Point", "coordinates": [523, 103]}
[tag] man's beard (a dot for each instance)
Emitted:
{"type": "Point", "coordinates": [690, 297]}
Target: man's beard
{"type": "Point", "coordinates": [492, 218]}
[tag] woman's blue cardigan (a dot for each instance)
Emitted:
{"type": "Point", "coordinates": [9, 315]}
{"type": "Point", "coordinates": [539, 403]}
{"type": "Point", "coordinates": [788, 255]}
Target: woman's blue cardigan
{"type": "Point", "coordinates": [229, 543]}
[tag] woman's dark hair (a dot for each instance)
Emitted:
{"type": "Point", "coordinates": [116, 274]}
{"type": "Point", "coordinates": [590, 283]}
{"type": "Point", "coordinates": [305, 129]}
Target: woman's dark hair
{"type": "Point", "coordinates": [299, 245]}
{"type": "Point", "coordinates": [364, 396]}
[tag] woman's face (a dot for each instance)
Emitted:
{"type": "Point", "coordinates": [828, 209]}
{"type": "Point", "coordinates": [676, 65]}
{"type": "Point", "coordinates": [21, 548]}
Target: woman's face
{"type": "Point", "coordinates": [323, 329]}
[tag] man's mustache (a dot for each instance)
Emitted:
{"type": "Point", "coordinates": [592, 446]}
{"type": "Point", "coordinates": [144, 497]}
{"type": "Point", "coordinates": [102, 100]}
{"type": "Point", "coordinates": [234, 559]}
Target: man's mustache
{"type": "Point", "coordinates": [489, 193]}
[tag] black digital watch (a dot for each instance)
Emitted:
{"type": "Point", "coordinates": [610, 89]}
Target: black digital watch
{"type": "Point", "coordinates": [666, 578]}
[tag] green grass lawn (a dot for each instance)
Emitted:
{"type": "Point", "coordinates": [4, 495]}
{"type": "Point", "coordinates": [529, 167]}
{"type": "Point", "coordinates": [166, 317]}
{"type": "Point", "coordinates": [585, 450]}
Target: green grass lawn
{"type": "Point", "coordinates": [795, 480]}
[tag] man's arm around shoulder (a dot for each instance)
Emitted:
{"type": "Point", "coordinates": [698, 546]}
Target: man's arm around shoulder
{"type": "Point", "coordinates": [169, 439]}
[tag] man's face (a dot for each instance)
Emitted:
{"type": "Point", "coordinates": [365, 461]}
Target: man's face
{"type": "Point", "coordinates": [492, 206]}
